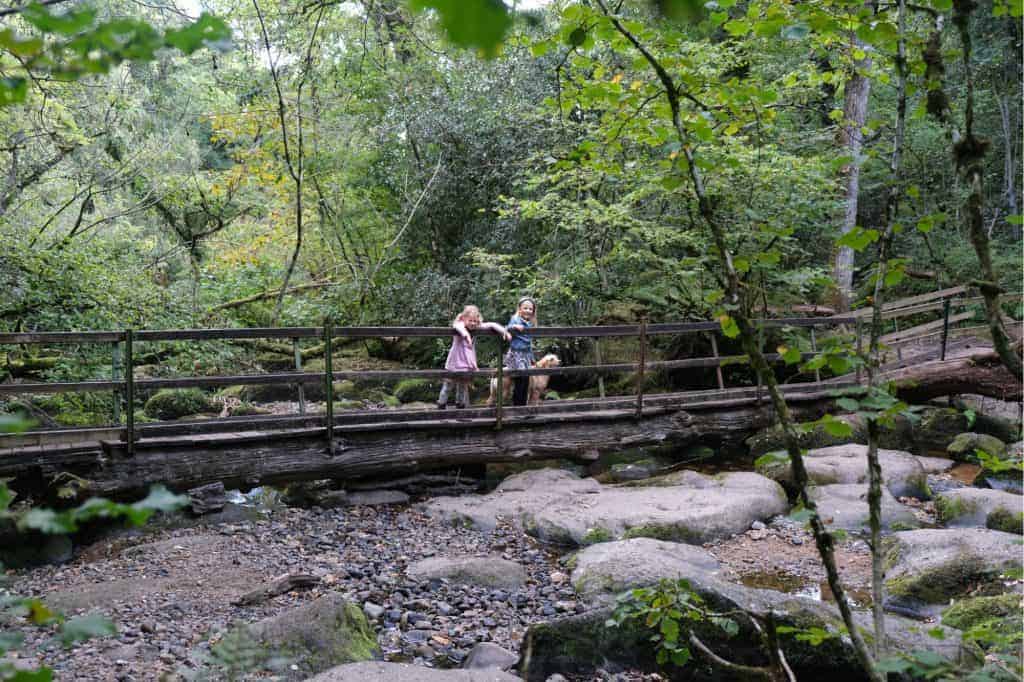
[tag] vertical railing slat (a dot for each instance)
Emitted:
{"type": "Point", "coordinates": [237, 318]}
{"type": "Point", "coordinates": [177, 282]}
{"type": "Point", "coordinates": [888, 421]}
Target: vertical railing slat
{"type": "Point", "coordinates": [500, 397]}
{"type": "Point", "coordinates": [129, 391]}
{"type": "Point", "coordinates": [945, 327]}
{"type": "Point", "coordinates": [329, 384]}
{"type": "Point", "coordinates": [814, 349]}
{"type": "Point", "coordinates": [115, 374]}
{"type": "Point", "coordinates": [641, 369]}
{"type": "Point", "coordinates": [718, 367]}
{"type": "Point", "coordinates": [298, 368]}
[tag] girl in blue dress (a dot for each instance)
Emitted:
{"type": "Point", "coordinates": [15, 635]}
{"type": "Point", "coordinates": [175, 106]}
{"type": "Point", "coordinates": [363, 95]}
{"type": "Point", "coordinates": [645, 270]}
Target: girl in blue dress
{"type": "Point", "coordinates": [520, 353]}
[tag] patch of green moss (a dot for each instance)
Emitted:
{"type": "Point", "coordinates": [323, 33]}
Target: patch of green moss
{"type": "Point", "coordinates": [938, 584]}
{"type": "Point", "coordinates": [669, 532]}
{"type": "Point", "coordinates": [416, 390]}
{"type": "Point", "coordinates": [177, 403]}
{"type": "Point", "coordinates": [1005, 520]}
{"type": "Point", "coordinates": [949, 508]}
{"type": "Point", "coordinates": [967, 613]}
{"type": "Point", "coordinates": [596, 535]}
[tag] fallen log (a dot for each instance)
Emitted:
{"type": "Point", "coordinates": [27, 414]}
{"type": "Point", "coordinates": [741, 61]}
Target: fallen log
{"type": "Point", "coordinates": [981, 374]}
{"type": "Point", "coordinates": [363, 452]}
{"type": "Point", "coordinates": [277, 586]}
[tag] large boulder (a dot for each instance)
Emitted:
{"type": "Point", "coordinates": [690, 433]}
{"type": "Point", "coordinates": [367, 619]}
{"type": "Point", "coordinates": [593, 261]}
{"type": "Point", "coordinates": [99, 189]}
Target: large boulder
{"type": "Point", "coordinates": [963, 446]}
{"type": "Point", "coordinates": [176, 403]}
{"type": "Point", "coordinates": [902, 473]}
{"type": "Point", "coordinates": [317, 636]}
{"type": "Point", "coordinates": [926, 568]}
{"type": "Point", "coordinates": [977, 507]}
{"type": "Point", "coordinates": [584, 642]}
{"type": "Point", "coordinates": [845, 506]}
{"type": "Point", "coordinates": [559, 507]}
{"type": "Point", "coordinates": [379, 671]}
{"type": "Point", "coordinates": [470, 570]}
{"type": "Point", "coordinates": [600, 572]}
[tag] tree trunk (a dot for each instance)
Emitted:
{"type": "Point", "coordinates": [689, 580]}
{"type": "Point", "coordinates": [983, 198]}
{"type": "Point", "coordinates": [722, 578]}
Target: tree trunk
{"type": "Point", "coordinates": [855, 112]}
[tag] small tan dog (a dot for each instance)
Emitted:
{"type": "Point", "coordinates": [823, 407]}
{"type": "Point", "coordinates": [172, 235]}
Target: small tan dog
{"type": "Point", "coordinates": [538, 383]}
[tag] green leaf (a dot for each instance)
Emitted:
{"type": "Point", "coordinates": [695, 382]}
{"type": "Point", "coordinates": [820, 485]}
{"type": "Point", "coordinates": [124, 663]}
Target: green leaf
{"type": "Point", "coordinates": [161, 499]}
{"type": "Point", "coordinates": [795, 31]}
{"type": "Point", "coordinates": [539, 49]}
{"type": "Point", "coordinates": [773, 457]}
{"type": "Point", "coordinates": [729, 326]}
{"type": "Point", "coordinates": [858, 238]}
{"type": "Point", "coordinates": [577, 37]}
{"type": "Point", "coordinates": [19, 47]}
{"type": "Point", "coordinates": [688, 10]}
{"type": "Point", "coordinates": [727, 625]}
{"type": "Point", "coordinates": [13, 90]}
{"type": "Point", "coordinates": [670, 630]}
{"type": "Point", "coordinates": [1015, 219]}
{"type": "Point", "coordinates": [86, 627]}
{"type": "Point", "coordinates": [894, 664]}
{"type": "Point", "coordinates": [835, 427]}
{"type": "Point", "coordinates": [848, 404]}
{"type": "Point", "coordinates": [737, 27]}
{"type": "Point", "coordinates": [681, 657]}
{"type": "Point", "coordinates": [47, 521]}
{"type": "Point", "coordinates": [66, 23]}
{"type": "Point", "coordinates": [790, 354]}
{"type": "Point", "coordinates": [471, 23]}
{"type": "Point", "coordinates": [937, 633]}
{"type": "Point", "coordinates": [801, 515]}
{"type": "Point", "coordinates": [206, 31]}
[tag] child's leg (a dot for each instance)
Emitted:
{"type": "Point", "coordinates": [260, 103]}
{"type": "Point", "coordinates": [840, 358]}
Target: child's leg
{"type": "Point", "coordinates": [462, 394]}
{"type": "Point", "coordinates": [520, 390]}
{"type": "Point", "coordinates": [442, 400]}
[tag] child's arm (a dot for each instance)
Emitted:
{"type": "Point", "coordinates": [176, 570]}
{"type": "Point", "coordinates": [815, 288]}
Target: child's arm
{"type": "Point", "coordinates": [460, 327]}
{"type": "Point", "coordinates": [516, 324]}
{"type": "Point", "coordinates": [494, 326]}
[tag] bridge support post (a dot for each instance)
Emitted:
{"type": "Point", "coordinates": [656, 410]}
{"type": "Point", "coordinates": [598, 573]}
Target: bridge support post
{"type": "Point", "coordinates": [115, 374]}
{"type": "Point", "coordinates": [945, 327]}
{"type": "Point", "coordinates": [860, 345]}
{"type": "Point", "coordinates": [814, 349]}
{"type": "Point", "coordinates": [500, 397]}
{"type": "Point", "coordinates": [640, 370]}
{"type": "Point", "coordinates": [298, 368]}
{"type": "Point", "coordinates": [129, 392]}
{"type": "Point", "coordinates": [329, 385]}
{"type": "Point", "coordinates": [718, 365]}
{"type": "Point", "coordinates": [597, 357]}
{"type": "Point", "coordinates": [760, 346]}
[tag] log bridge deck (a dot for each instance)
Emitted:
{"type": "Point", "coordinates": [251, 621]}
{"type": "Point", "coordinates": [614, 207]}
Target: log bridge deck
{"type": "Point", "coordinates": [125, 458]}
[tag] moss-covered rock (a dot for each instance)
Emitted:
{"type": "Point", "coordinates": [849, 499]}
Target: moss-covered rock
{"type": "Point", "coordinates": [966, 613]}
{"type": "Point", "coordinates": [811, 437]}
{"type": "Point", "coordinates": [416, 390]}
{"type": "Point", "coordinates": [319, 635]}
{"type": "Point", "coordinates": [177, 403]}
{"type": "Point", "coordinates": [963, 446]}
{"type": "Point", "coordinates": [980, 508]}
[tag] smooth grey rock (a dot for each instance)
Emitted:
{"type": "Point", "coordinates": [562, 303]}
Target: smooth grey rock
{"type": "Point", "coordinates": [977, 507]}
{"type": "Point", "coordinates": [490, 571]}
{"type": "Point", "coordinates": [373, 611]}
{"type": "Point", "coordinates": [207, 498]}
{"type": "Point", "coordinates": [935, 465]}
{"type": "Point", "coordinates": [489, 655]}
{"type": "Point", "coordinates": [604, 570]}
{"type": "Point", "coordinates": [845, 506]}
{"type": "Point", "coordinates": [559, 507]}
{"type": "Point", "coordinates": [963, 446]}
{"type": "Point", "coordinates": [379, 671]}
{"type": "Point", "coordinates": [934, 565]}
{"type": "Point", "coordinates": [324, 633]}
{"type": "Point", "coordinates": [902, 473]}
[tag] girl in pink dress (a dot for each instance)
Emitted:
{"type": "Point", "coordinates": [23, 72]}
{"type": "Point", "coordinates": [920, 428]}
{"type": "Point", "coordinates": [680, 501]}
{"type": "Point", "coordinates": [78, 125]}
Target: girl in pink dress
{"type": "Point", "coordinates": [462, 356]}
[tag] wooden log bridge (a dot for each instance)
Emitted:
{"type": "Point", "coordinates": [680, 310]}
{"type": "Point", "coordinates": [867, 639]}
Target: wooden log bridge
{"type": "Point", "coordinates": [122, 459]}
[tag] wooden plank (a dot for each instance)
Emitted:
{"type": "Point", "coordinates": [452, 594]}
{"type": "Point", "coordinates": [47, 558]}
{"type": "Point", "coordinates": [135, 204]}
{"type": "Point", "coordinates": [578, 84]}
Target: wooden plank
{"type": "Point", "coordinates": [59, 337]}
{"type": "Point", "coordinates": [59, 387]}
{"type": "Point", "coordinates": [237, 333]}
{"type": "Point", "coordinates": [914, 300]}
{"type": "Point", "coordinates": [911, 332]}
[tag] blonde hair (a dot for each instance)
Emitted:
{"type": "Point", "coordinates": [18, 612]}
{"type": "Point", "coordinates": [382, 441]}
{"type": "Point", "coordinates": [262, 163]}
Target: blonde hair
{"type": "Point", "coordinates": [469, 312]}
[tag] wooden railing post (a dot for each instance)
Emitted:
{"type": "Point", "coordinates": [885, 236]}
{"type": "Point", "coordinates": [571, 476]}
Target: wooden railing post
{"type": "Point", "coordinates": [718, 367]}
{"type": "Point", "coordinates": [600, 361]}
{"type": "Point", "coordinates": [115, 374]}
{"type": "Point", "coordinates": [814, 349]}
{"type": "Point", "coordinates": [860, 346]}
{"type": "Point", "coordinates": [129, 392]}
{"type": "Point", "coordinates": [298, 368]}
{"type": "Point", "coordinates": [329, 384]}
{"type": "Point", "coordinates": [640, 370]}
{"type": "Point", "coordinates": [945, 327]}
{"type": "Point", "coordinates": [760, 347]}
{"type": "Point", "coordinates": [500, 397]}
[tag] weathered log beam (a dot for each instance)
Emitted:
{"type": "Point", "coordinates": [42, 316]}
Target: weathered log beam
{"type": "Point", "coordinates": [362, 452]}
{"type": "Point", "coordinates": [981, 374]}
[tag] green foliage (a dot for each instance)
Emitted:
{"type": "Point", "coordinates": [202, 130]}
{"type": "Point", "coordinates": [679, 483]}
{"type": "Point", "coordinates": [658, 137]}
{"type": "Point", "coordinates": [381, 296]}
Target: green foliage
{"type": "Point", "coordinates": [471, 23]}
{"type": "Point", "coordinates": [668, 610]}
{"type": "Point", "coordinates": [49, 521]}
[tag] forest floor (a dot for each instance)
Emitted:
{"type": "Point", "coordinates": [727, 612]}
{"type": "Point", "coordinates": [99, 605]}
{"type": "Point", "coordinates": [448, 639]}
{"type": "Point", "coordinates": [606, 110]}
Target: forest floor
{"type": "Point", "coordinates": [170, 591]}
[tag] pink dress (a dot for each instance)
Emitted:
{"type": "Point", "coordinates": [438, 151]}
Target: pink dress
{"type": "Point", "coordinates": [462, 355]}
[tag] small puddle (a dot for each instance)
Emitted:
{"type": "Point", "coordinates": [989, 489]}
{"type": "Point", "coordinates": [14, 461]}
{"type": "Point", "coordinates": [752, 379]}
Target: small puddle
{"type": "Point", "coordinates": [795, 585]}
{"type": "Point", "coordinates": [965, 472]}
